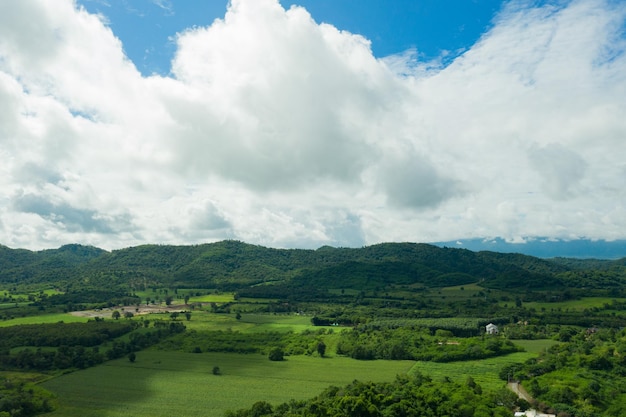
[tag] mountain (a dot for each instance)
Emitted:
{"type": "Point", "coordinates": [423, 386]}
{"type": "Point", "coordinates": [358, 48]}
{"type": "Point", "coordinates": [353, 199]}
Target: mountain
{"type": "Point", "coordinates": [233, 265]}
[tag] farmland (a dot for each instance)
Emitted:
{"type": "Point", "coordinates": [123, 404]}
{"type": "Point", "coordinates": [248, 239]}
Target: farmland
{"type": "Point", "coordinates": [202, 330]}
{"type": "Point", "coordinates": [159, 382]}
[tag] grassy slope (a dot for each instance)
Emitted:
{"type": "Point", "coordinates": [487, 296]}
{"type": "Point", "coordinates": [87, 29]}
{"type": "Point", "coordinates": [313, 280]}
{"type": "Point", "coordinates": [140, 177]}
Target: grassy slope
{"type": "Point", "coordinates": [170, 383]}
{"type": "Point", "coordinates": [45, 318]}
{"type": "Point", "coordinates": [484, 371]}
{"type": "Point", "coordinates": [165, 383]}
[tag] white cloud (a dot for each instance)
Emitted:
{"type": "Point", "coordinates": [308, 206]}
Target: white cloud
{"type": "Point", "coordinates": [277, 130]}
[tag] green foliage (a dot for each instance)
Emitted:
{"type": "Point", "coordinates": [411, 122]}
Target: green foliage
{"type": "Point", "coordinates": [224, 341]}
{"type": "Point", "coordinates": [235, 265]}
{"type": "Point", "coordinates": [71, 342]}
{"type": "Point", "coordinates": [22, 400]}
{"type": "Point", "coordinates": [321, 348]}
{"type": "Point", "coordinates": [168, 382]}
{"type": "Point", "coordinates": [276, 354]}
{"type": "Point", "coordinates": [402, 343]}
{"type": "Point", "coordinates": [407, 396]}
{"type": "Point", "coordinates": [390, 295]}
{"type": "Point", "coordinates": [62, 334]}
{"type": "Point", "coordinates": [585, 374]}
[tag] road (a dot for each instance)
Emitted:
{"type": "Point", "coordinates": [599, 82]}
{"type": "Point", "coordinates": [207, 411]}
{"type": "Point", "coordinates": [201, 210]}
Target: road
{"type": "Point", "coordinates": [520, 391]}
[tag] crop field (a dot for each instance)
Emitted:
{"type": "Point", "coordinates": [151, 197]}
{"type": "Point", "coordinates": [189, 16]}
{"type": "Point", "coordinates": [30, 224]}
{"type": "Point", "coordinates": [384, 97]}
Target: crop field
{"type": "Point", "coordinates": [461, 291]}
{"type": "Point", "coordinates": [169, 383]}
{"type": "Point", "coordinates": [195, 295]}
{"type": "Point", "coordinates": [46, 318]}
{"type": "Point", "coordinates": [573, 305]}
{"type": "Point", "coordinates": [484, 371]}
{"type": "Point", "coordinates": [263, 322]}
{"type": "Point", "coordinates": [535, 346]}
{"type": "Point", "coordinates": [203, 320]}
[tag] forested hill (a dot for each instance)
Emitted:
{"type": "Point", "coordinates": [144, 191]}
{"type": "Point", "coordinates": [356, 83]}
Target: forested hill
{"type": "Point", "coordinates": [234, 265]}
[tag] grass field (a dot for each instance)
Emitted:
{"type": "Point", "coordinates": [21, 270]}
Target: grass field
{"type": "Point", "coordinates": [573, 305]}
{"type": "Point", "coordinates": [264, 322]}
{"type": "Point", "coordinates": [535, 346]}
{"type": "Point", "coordinates": [169, 383]}
{"type": "Point", "coordinates": [46, 318]}
{"type": "Point", "coordinates": [203, 320]}
{"type": "Point", "coordinates": [213, 298]}
{"type": "Point", "coordinates": [484, 371]}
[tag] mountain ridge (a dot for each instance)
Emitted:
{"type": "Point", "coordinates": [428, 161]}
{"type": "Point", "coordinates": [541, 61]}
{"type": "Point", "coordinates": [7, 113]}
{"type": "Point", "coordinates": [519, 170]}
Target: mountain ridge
{"type": "Point", "coordinates": [235, 265]}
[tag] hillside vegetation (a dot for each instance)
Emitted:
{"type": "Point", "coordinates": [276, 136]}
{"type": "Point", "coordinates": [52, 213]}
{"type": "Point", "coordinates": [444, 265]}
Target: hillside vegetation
{"type": "Point", "coordinates": [79, 308]}
{"type": "Point", "coordinates": [232, 265]}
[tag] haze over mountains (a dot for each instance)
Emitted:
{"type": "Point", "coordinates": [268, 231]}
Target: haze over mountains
{"type": "Point", "coordinates": [546, 248]}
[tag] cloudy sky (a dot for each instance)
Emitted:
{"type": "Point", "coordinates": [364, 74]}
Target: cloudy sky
{"type": "Point", "coordinates": [128, 122]}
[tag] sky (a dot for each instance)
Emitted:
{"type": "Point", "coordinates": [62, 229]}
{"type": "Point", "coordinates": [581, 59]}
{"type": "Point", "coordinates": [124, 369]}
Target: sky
{"type": "Point", "coordinates": [301, 124]}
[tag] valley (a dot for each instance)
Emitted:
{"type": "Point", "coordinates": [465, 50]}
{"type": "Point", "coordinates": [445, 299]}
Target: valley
{"type": "Point", "coordinates": [155, 329]}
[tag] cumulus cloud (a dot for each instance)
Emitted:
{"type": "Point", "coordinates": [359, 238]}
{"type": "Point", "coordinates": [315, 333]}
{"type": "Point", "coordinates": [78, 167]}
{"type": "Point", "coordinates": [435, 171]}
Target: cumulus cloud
{"type": "Point", "coordinates": [275, 98]}
{"type": "Point", "coordinates": [278, 130]}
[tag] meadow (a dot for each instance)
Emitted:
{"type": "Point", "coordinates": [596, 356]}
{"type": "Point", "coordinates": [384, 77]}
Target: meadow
{"type": "Point", "coordinates": [159, 382]}
{"type": "Point", "coordinates": [573, 305]}
{"type": "Point", "coordinates": [484, 371]}
{"type": "Point", "coordinates": [162, 383]}
{"type": "Point", "coordinates": [44, 318]}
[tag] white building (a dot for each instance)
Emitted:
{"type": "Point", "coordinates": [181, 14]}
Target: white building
{"type": "Point", "coordinates": [492, 329]}
{"type": "Point", "coordinates": [532, 413]}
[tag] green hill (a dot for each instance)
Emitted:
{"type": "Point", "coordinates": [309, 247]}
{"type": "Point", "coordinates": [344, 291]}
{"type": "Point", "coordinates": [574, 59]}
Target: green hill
{"type": "Point", "coordinates": [233, 265]}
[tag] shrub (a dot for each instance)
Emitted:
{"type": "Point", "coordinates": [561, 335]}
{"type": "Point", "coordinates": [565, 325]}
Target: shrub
{"type": "Point", "coordinates": [276, 354]}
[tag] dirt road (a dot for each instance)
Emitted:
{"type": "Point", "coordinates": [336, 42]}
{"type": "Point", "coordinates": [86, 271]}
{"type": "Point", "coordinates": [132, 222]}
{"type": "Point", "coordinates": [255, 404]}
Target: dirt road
{"type": "Point", "coordinates": [520, 391]}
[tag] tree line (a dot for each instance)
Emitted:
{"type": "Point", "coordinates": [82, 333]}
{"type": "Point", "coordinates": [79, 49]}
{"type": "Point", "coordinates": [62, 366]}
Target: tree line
{"type": "Point", "coordinates": [415, 395]}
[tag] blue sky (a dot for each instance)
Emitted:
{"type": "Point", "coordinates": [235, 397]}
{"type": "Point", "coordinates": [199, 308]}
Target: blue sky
{"type": "Point", "coordinates": [432, 27]}
{"type": "Point", "coordinates": [342, 123]}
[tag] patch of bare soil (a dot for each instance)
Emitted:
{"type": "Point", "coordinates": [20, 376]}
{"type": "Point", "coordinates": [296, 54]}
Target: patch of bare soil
{"type": "Point", "coordinates": [140, 310]}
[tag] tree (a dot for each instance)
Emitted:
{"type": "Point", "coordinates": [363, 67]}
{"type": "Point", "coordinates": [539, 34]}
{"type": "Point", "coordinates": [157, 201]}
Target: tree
{"type": "Point", "coordinates": [174, 315]}
{"type": "Point", "coordinates": [188, 315]}
{"type": "Point", "coordinates": [116, 315]}
{"type": "Point", "coordinates": [216, 370]}
{"type": "Point", "coordinates": [238, 316]}
{"type": "Point", "coordinates": [186, 299]}
{"type": "Point", "coordinates": [168, 300]}
{"type": "Point", "coordinates": [260, 408]}
{"type": "Point", "coordinates": [321, 348]}
{"type": "Point", "coordinates": [129, 315]}
{"type": "Point", "coordinates": [276, 354]}
{"type": "Point", "coordinates": [132, 357]}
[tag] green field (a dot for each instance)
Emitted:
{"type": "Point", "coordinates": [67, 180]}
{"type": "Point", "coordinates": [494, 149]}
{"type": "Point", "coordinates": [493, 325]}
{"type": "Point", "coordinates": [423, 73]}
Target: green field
{"type": "Point", "coordinates": [484, 371]}
{"type": "Point", "coordinates": [160, 381]}
{"type": "Point", "coordinates": [213, 298]}
{"type": "Point", "coordinates": [573, 305]}
{"type": "Point", "coordinates": [170, 383]}
{"type": "Point", "coordinates": [290, 322]}
{"type": "Point", "coordinates": [535, 346]}
{"type": "Point", "coordinates": [203, 320]}
{"type": "Point", "coordinates": [45, 318]}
